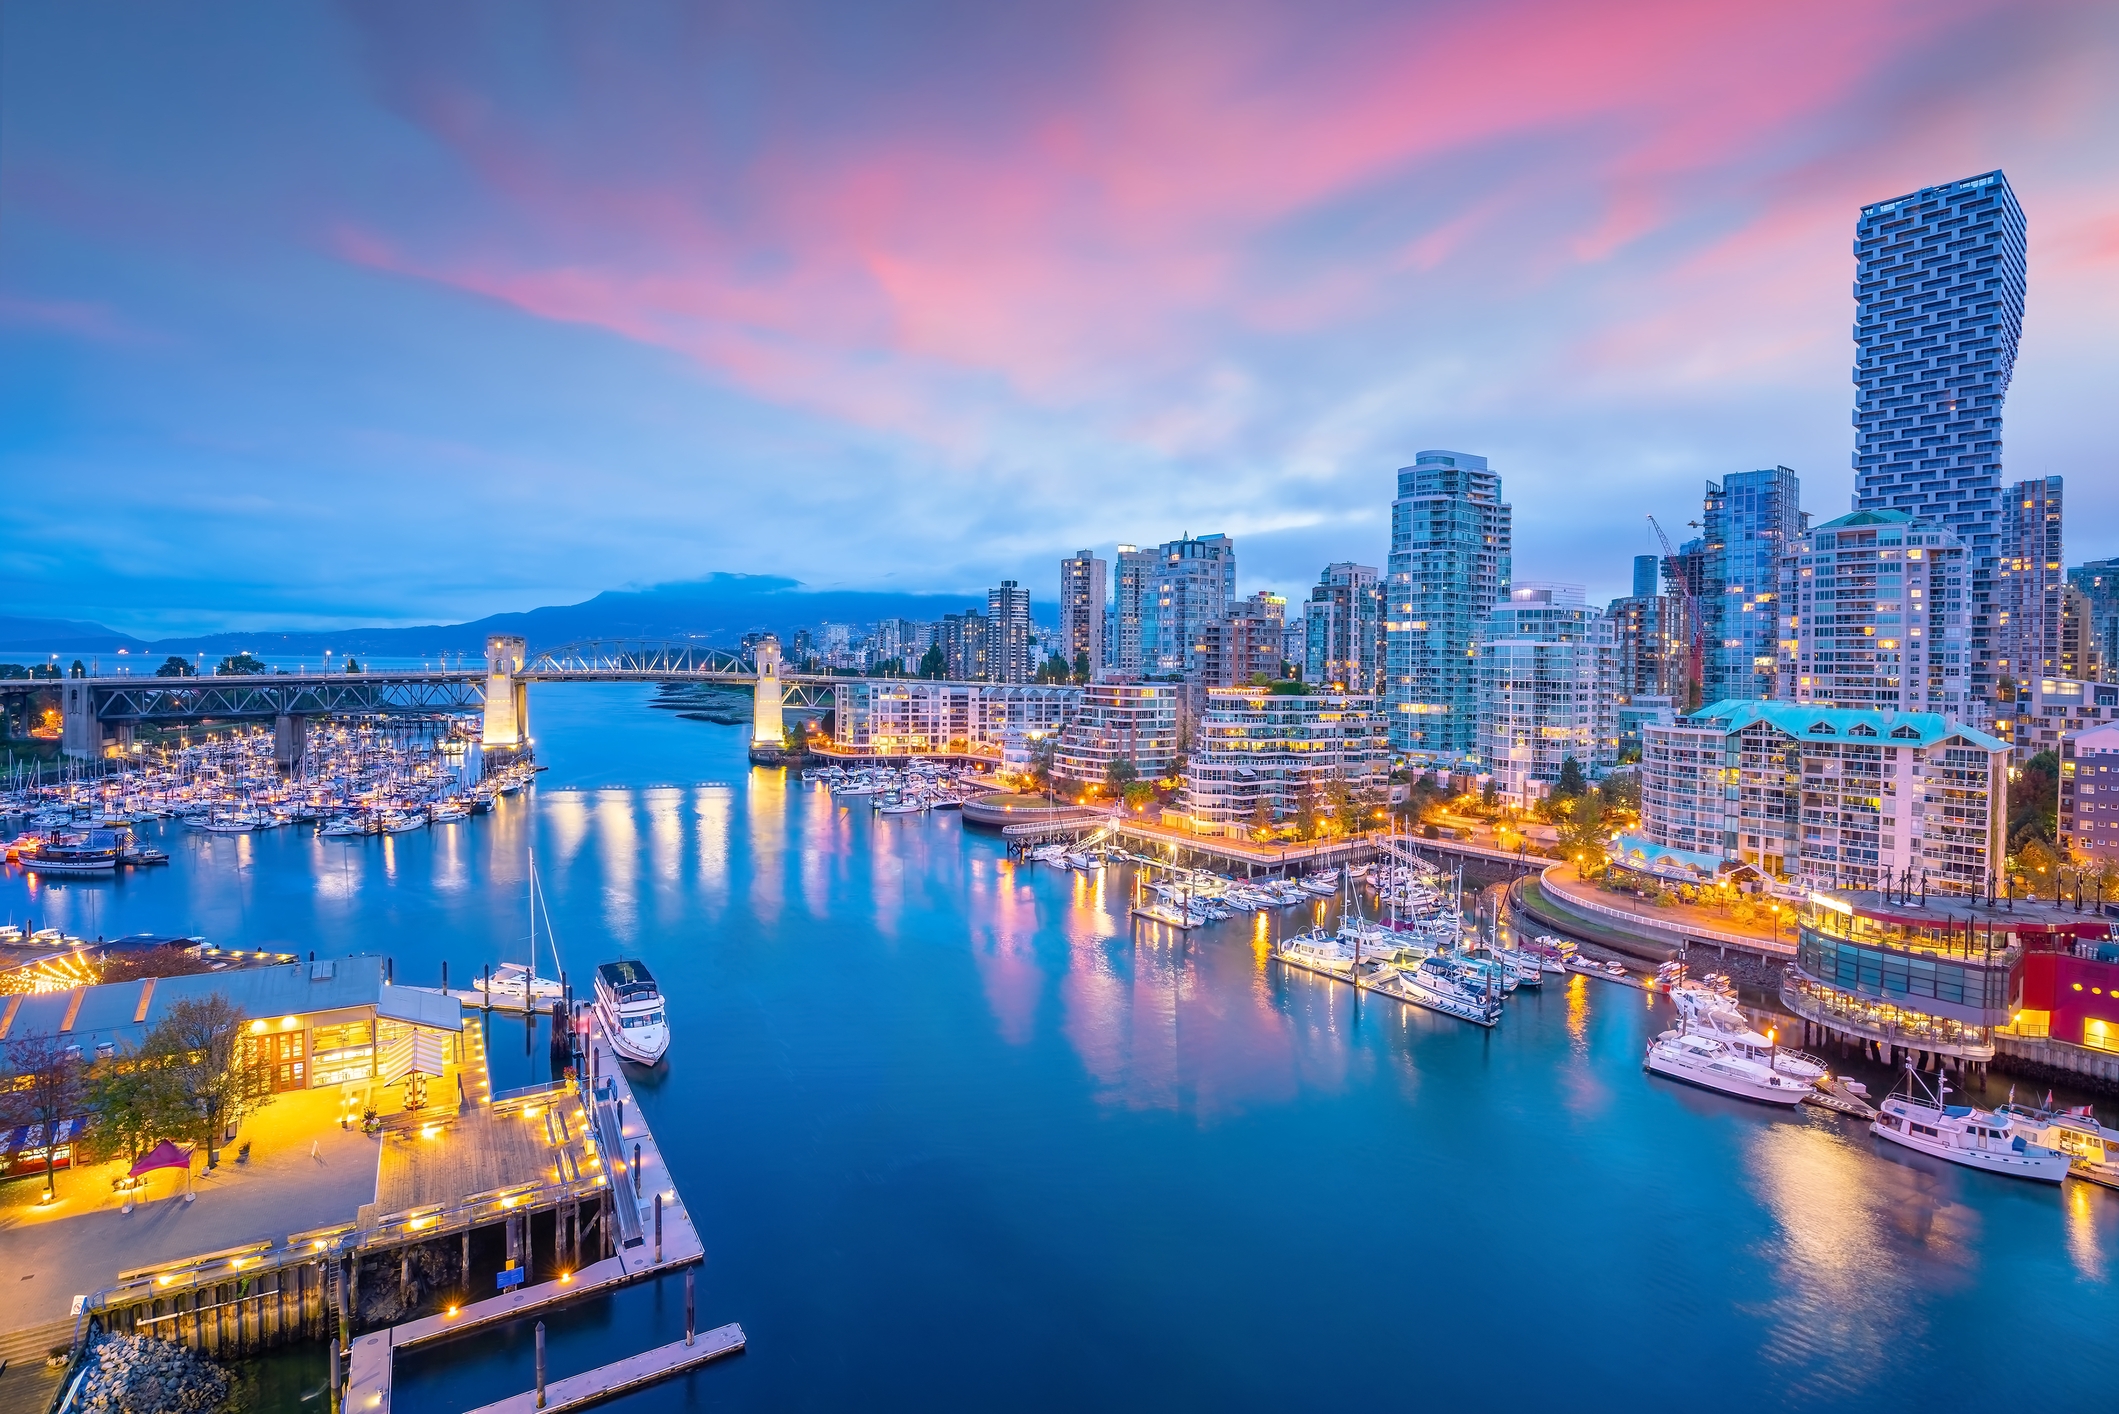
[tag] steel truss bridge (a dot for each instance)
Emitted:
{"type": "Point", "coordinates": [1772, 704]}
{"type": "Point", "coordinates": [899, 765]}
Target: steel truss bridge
{"type": "Point", "coordinates": [99, 712]}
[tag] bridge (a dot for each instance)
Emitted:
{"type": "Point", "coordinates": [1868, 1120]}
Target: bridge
{"type": "Point", "coordinates": [101, 714]}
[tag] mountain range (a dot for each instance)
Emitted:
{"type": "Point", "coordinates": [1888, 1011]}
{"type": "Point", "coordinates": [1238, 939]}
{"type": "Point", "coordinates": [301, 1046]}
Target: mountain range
{"type": "Point", "coordinates": [718, 609]}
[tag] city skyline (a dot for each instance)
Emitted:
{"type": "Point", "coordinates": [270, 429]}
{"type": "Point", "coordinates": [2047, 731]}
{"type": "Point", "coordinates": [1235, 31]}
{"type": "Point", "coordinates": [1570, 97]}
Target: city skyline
{"type": "Point", "coordinates": [1174, 274]}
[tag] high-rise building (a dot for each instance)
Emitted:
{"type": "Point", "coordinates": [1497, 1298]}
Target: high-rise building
{"type": "Point", "coordinates": [1874, 608]}
{"type": "Point", "coordinates": [1194, 584]}
{"type": "Point", "coordinates": [1344, 619]}
{"type": "Point", "coordinates": [1132, 600]}
{"type": "Point", "coordinates": [2027, 586]}
{"type": "Point", "coordinates": [1648, 645]}
{"type": "Point", "coordinates": [1545, 665]}
{"type": "Point", "coordinates": [965, 640]}
{"type": "Point", "coordinates": [1082, 599]}
{"type": "Point", "coordinates": [2081, 656]}
{"type": "Point", "coordinates": [2099, 582]}
{"type": "Point", "coordinates": [1449, 565]}
{"type": "Point", "coordinates": [1938, 293]}
{"type": "Point", "coordinates": [2089, 792]}
{"type": "Point", "coordinates": [1009, 637]}
{"type": "Point", "coordinates": [1647, 576]}
{"type": "Point", "coordinates": [1752, 517]}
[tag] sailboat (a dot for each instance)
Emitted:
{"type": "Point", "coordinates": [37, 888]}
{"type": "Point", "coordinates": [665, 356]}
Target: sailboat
{"type": "Point", "coordinates": [518, 984]}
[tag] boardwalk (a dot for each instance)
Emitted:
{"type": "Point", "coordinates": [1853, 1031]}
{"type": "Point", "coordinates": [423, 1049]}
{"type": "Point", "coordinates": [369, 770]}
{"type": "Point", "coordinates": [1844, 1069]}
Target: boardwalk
{"type": "Point", "coordinates": [620, 1376]}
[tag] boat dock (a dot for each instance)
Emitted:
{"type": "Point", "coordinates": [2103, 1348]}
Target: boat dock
{"type": "Point", "coordinates": [623, 1376]}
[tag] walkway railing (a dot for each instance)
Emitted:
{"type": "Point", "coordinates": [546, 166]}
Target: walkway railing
{"type": "Point", "coordinates": [1564, 899]}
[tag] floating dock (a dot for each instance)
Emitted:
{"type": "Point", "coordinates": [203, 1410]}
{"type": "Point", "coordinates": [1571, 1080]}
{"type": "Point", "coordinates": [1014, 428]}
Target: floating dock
{"type": "Point", "coordinates": [623, 1376]}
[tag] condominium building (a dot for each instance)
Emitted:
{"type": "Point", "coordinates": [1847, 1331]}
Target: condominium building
{"type": "Point", "coordinates": [903, 641]}
{"type": "Point", "coordinates": [1648, 645]}
{"type": "Point", "coordinates": [1132, 594]}
{"type": "Point", "coordinates": [1752, 517]}
{"type": "Point", "coordinates": [2029, 586]}
{"type": "Point", "coordinates": [1647, 576]}
{"type": "Point", "coordinates": [965, 640]}
{"type": "Point", "coordinates": [2098, 582]}
{"type": "Point", "coordinates": [2080, 655]}
{"type": "Point", "coordinates": [2089, 791]}
{"type": "Point", "coordinates": [1545, 665]}
{"type": "Point", "coordinates": [1834, 797]}
{"type": "Point", "coordinates": [1082, 607]}
{"type": "Point", "coordinates": [1939, 292]}
{"type": "Point", "coordinates": [886, 716]}
{"type": "Point", "coordinates": [1874, 616]}
{"type": "Point", "coordinates": [1257, 753]}
{"type": "Point", "coordinates": [1194, 584]}
{"type": "Point", "coordinates": [1134, 722]}
{"type": "Point", "coordinates": [1448, 567]}
{"type": "Point", "coordinates": [1236, 650]}
{"type": "Point", "coordinates": [2046, 711]}
{"type": "Point", "coordinates": [1344, 623]}
{"type": "Point", "coordinates": [1009, 637]}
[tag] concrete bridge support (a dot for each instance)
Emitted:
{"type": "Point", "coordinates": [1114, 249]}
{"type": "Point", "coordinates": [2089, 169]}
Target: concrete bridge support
{"type": "Point", "coordinates": [507, 718]}
{"type": "Point", "coordinates": [766, 727]}
{"type": "Point", "coordinates": [80, 734]}
{"type": "Point", "coordinates": [290, 741]}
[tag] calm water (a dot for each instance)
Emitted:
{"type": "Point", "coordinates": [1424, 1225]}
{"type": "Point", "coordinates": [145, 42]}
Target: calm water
{"type": "Point", "coordinates": [957, 1137]}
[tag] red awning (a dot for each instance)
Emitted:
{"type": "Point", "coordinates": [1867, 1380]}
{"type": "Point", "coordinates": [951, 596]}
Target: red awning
{"type": "Point", "coordinates": [164, 1155]}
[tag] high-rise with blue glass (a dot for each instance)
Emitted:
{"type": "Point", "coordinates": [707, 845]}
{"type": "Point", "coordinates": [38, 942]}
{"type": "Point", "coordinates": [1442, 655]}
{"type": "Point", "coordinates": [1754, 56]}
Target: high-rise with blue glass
{"type": "Point", "coordinates": [1752, 519]}
{"type": "Point", "coordinates": [1938, 294]}
{"type": "Point", "coordinates": [1449, 566]}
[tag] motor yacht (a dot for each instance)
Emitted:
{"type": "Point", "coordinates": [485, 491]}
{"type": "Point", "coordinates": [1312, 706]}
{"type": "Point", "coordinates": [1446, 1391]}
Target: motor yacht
{"type": "Point", "coordinates": [1708, 1063]}
{"type": "Point", "coordinates": [2092, 1149]}
{"type": "Point", "coordinates": [1439, 983]}
{"type": "Point", "coordinates": [629, 1005]}
{"type": "Point", "coordinates": [1922, 1120]}
{"type": "Point", "coordinates": [62, 852]}
{"type": "Point", "coordinates": [1710, 1012]}
{"type": "Point", "coordinates": [1318, 951]}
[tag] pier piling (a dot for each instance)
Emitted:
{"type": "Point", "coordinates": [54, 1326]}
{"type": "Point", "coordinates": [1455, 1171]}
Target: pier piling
{"type": "Point", "coordinates": [658, 1211]}
{"type": "Point", "coordinates": [540, 1364]}
{"type": "Point", "coordinates": [689, 1282]}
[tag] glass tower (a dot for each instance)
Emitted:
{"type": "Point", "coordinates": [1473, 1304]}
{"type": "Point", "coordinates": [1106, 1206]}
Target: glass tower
{"type": "Point", "coordinates": [1938, 294]}
{"type": "Point", "coordinates": [1753, 517]}
{"type": "Point", "coordinates": [1449, 565]}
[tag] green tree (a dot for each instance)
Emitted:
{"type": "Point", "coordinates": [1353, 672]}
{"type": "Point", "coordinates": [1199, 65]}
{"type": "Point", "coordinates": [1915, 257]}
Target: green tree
{"type": "Point", "coordinates": [1309, 802]}
{"type": "Point", "coordinates": [135, 1104]}
{"type": "Point", "coordinates": [1262, 813]}
{"type": "Point", "coordinates": [1621, 791]}
{"type": "Point", "coordinates": [175, 667]}
{"type": "Point", "coordinates": [353, 665]}
{"type": "Point", "coordinates": [1139, 793]}
{"type": "Point", "coordinates": [78, 670]}
{"type": "Point", "coordinates": [1120, 774]}
{"type": "Point", "coordinates": [1572, 783]}
{"type": "Point", "coordinates": [2034, 798]}
{"type": "Point", "coordinates": [934, 663]}
{"type": "Point", "coordinates": [1491, 796]}
{"type": "Point", "coordinates": [1581, 829]}
{"type": "Point", "coordinates": [238, 665]}
{"type": "Point", "coordinates": [1081, 667]}
{"type": "Point", "coordinates": [199, 1043]}
{"type": "Point", "coordinates": [44, 1085]}
{"type": "Point", "coordinates": [1339, 802]}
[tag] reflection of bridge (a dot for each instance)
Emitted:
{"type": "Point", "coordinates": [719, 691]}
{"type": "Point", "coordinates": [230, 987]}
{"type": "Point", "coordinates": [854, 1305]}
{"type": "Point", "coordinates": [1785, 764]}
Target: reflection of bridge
{"type": "Point", "coordinates": [99, 714]}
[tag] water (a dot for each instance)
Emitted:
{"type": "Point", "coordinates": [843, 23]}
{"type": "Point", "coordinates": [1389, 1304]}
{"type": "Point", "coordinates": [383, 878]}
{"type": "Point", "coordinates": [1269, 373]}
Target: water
{"type": "Point", "coordinates": [955, 1137]}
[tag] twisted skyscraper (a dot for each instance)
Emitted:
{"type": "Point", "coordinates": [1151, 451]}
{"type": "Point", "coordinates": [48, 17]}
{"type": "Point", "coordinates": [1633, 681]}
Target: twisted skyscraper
{"type": "Point", "coordinates": [1938, 293]}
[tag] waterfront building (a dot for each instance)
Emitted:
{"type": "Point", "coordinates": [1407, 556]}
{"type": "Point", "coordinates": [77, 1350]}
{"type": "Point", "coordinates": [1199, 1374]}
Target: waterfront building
{"type": "Point", "coordinates": [2089, 788]}
{"type": "Point", "coordinates": [1448, 567]}
{"type": "Point", "coordinates": [1751, 519]}
{"type": "Point", "coordinates": [964, 641]}
{"type": "Point", "coordinates": [1257, 753]}
{"type": "Point", "coordinates": [1082, 608]}
{"type": "Point", "coordinates": [1650, 654]}
{"type": "Point", "coordinates": [1836, 798]}
{"type": "Point", "coordinates": [1009, 636]}
{"type": "Point", "coordinates": [1134, 722]}
{"type": "Point", "coordinates": [1939, 293]}
{"type": "Point", "coordinates": [1194, 584]}
{"type": "Point", "coordinates": [1874, 616]}
{"type": "Point", "coordinates": [2098, 582]}
{"type": "Point", "coordinates": [1344, 623]}
{"type": "Point", "coordinates": [1133, 596]}
{"type": "Point", "coordinates": [1647, 576]}
{"type": "Point", "coordinates": [2029, 584]}
{"type": "Point", "coordinates": [1545, 666]}
{"type": "Point", "coordinates": [892, 716]}
{"type": "Point", "coordinates": [1239, 649]}
{"type": "Point", "coordinates": [327, 1023]}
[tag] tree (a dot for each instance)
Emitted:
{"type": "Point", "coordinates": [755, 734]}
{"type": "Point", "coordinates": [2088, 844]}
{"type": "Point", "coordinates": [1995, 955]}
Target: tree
{"type": "Point", "coordinates": [353, 665]}
{"type": "Point", "coordinates": [200, 1045]}
{"type": "Point", "coordinates": [1572, 782]}
{"type": "Point", "coordinates": [237, 665]}
{"type": "Point", "coordinates": [1491, 795]}
{"type": "Point", "coordinates": [1120, 774]}
{"type": "Point", "coordinates": [934, 663]}
{"type": "Point", "coordinates": [1581, 825]}
{"type": "Point", "coordinates": [887, 668]}
{"type": "Point", "coordinates": [1339, 802]}
{"type": "Point", "coordinates": [135, 1104]}
{"type": "Point", "coordinates": [175, 667]}
{"type": "Point", "coordinates": [1262, 813]}
{"type": "Point", "coordinates": [1308, 807]}
{"type": "Point", "coordinates": [1622, 791]}
{"type": "Point", "coordinates": [44, 1082]}
{"type": "Point", "coordinates": [1139, 793]}
{"type": "Point", "coordinates": [2034, 798]}
{"type": "Point", "coordinates": [1081, 667]}
{"type": "Point", "coordinates": [78, 670]}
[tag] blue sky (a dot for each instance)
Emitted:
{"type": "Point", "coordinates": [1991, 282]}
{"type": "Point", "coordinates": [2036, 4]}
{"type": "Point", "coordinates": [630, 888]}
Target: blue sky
{"type": "Point", "coordinates": [394, 313]}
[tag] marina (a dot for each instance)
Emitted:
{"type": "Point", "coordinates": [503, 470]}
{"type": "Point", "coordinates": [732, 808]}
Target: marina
{"type": "Point", "coordinates": [1002, 1026]}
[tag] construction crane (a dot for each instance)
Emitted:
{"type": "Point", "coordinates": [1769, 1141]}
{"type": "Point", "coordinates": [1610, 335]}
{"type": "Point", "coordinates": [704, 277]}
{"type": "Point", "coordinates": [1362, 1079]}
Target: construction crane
{"type": "Point", "coordinates": [1695, 630]}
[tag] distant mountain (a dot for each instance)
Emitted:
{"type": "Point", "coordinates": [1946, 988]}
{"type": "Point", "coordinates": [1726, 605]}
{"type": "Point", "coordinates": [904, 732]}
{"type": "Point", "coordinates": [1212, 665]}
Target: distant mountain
{"type": "Point", "coordinates": [719, 610]}
{"type": "Point", "coordinates": [19, 635]}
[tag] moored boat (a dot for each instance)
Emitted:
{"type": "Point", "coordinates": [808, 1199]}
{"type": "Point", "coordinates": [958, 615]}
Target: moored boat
{"type": "Point", "coordinates": [629, 1005]}
{"type": "Point", "coordinates": [1711, 1065]}
{"type": "Point", "coordinates": [1922, 1120]}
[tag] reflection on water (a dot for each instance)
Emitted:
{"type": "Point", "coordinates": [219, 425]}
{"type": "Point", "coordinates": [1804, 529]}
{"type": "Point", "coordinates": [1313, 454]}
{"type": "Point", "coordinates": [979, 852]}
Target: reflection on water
{"type": "Point", "coordinates": [1094, 1153]}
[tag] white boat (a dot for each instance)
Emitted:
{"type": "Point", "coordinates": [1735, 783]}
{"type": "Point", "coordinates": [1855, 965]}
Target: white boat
{"type": "Point", "coordinates": [1705, 1062]}
{"type": "Point", "coordinates": [1963, 1134]}
{"type": "Point", "coordinates": [905, 807]}
{"type": "Point", "coordinates": [1438, 986]}
{"type": "Point", "coordinates": [342, 828]}
{"type": "Point", "coordinates": [629, 1005]}
{"type": "Point", "coordinates": [448, 814]}
{"type": "Point", "coordinates": [1710, 1012]}
{"type": "Point", "coordinates": [1319, 951]}
{"type": "Point", "coordinates": [516, 984]}
{"type": "Point", "coordinates": [1081, 861]}
{"type": "Point", "coordinates": [1322, 884]}
{"type": "Point", "coordinates": [397, 824]}
{"type": "Point", "coordinates": [2092, 1149]}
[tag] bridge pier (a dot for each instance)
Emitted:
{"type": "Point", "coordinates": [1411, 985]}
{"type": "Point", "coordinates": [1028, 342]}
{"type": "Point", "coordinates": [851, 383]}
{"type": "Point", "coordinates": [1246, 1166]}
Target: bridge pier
{"type": "Point", "coordinates": [80, 734]}
{"type": "Point", "coordinates": [290, 741]}
{"type": "Point", "coordinates": [507, 713]}
{"type": "Point", "coordinates": [767, 730]}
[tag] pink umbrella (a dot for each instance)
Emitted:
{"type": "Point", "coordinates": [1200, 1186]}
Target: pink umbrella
{"type": "Point", "coordinates": [164, 1155]}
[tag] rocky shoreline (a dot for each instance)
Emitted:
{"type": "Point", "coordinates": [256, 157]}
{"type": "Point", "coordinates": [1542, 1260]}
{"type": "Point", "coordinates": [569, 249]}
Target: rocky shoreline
{"type": "Point", "coordinates": [129, 1374]}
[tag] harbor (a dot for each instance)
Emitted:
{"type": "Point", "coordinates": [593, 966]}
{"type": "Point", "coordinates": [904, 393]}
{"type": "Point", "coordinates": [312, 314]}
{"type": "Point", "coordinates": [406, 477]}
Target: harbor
{"type": "Point", "coordinates": [1016, 1092]}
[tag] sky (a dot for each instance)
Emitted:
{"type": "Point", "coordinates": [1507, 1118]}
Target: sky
{"type": "Point", "coordinates": [400, 312]}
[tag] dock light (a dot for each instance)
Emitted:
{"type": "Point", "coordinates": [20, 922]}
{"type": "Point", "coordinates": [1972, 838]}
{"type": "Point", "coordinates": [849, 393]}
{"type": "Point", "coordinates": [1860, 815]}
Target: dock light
{"type": "Point", "coordinates": [452, 1310]}
{"type": "Point", "coordinates": [566, 1276]}
{"type": "Point", "coordinates": [165, 1280]}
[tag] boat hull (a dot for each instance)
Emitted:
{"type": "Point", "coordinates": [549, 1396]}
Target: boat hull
{"type": "Point", "coordinates": [1737, 1086]}
{"type": "Point", "coordinates": [2038, 1165]}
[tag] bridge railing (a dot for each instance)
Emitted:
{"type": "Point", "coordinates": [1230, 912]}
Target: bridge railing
{"type": "Point", "coordinates": [638, 658]}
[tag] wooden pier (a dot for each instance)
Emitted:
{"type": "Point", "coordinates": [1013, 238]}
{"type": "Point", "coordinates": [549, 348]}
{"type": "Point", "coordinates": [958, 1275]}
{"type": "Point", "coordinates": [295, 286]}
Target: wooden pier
{"type": "Point", "coordinates": [623, 1376]}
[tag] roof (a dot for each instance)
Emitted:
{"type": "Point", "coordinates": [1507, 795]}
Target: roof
{"type": "Point", "coordinates": [1860, 518]}
{"type": "Point", "coordinates": [1810, 723]}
